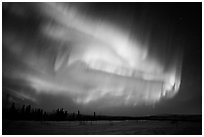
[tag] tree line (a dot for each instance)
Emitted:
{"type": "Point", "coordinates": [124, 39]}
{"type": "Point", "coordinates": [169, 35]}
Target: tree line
{"type": "Point", "coordinates": [26, 112]}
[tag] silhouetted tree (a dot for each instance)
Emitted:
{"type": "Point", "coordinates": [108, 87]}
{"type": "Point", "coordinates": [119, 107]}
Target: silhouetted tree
{"type": "Point", "coordinates": [13, 112]}
{"type": "Point", "coordinates": [23, 109]}
{"type": "Point", "coordinates": [66, 115]}
{"type": "Point", "coordinates": [29, 113]}
{"type": "Point", "coordinates": [22, 112]}
{"type": "Point", "coordinates": [28, 108]}
{"type": "Point", "coordinates": [73, 116]}
{"type": "Point", "coordinates": [94, 116]}
{"type": "Point", "coordinates": [45, 116]}
{"type": "Point", "coordinates": [13, 107]}
{"type": "Point", "coordinates": [78, 115]}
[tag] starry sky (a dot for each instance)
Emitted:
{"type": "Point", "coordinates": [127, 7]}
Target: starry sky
{"type": "Point", "coordinates": [111, 58]}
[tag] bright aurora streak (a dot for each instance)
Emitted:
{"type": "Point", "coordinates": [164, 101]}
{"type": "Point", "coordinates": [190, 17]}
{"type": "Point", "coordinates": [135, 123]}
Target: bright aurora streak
{"type": "Point", "coordinates": [91, 59]}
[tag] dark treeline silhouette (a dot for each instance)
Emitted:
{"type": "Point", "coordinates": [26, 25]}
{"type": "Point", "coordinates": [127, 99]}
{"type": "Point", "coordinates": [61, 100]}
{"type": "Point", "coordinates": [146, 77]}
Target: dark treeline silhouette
{"type": "Point", "coordinates": [26, 112]}
{"type": "Point", "coordinates": [29, 113]}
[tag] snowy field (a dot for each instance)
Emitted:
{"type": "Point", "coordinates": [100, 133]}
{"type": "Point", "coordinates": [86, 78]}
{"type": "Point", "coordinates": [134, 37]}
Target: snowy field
{"type": "Point", "coordinates": [101, 127]}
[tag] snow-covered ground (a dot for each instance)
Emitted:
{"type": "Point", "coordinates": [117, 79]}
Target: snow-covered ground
{"type": "Point", "coordinates": [101, 127]}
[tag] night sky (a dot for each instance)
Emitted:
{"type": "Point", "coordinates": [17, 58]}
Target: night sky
{"type": "Point", "coordinates": [111, 58]}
